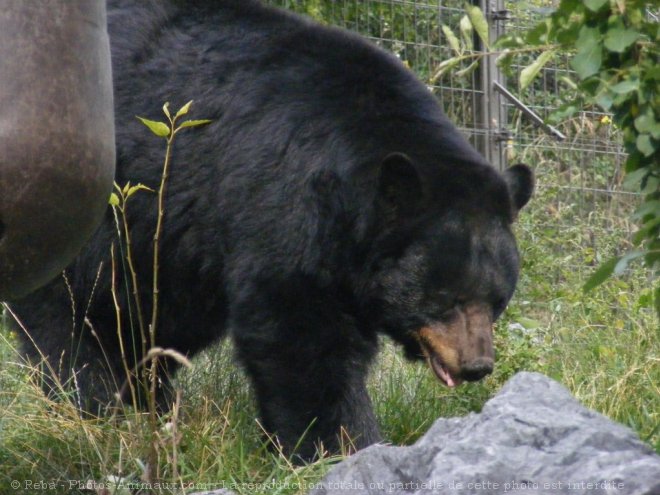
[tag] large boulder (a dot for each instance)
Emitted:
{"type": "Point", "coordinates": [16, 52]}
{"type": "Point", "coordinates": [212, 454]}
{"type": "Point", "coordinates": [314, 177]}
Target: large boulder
{"type": "Point", "coordinates": [532, 437]}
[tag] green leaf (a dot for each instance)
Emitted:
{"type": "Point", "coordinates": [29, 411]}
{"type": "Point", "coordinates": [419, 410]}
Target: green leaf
{"type": "Point", "coordinates": [618, 39]}
{"type": "Point", "coordinates": [444, 67]}
{"type": "Point", "coordinates": [479, 23]}
{"type": "Point", "coordinates": [569, 82]}
{"type": "Point", "coordinates": [604, 99]}
{"type": "Point", "coordinates": [565, 111]}
{"type": "Point", "coordinates": [510, 40]}
{"type": "Point", "coordinates": [622, 264]}
{"type": "Point", "coordinates": [139, 187]}
{"type": "Point", "coordinates": [465, 26]}
{"type": "Point", "coordinates": [595, 5]}
{"type": "Point", "coordinates": [539, 33]}
{"type": "Point", "coordinates": [160, 129]}
{"type": "Point", "coordinates": [529, 323]}
{"type": "Point", "coordinates": [652, 71]}
{"type": "Point", "coordinates": [114, 200]}
{"type": "Point", "coordinates": [625, 86]}
{"type": "Point", "coordinates": [601, 274]}
{"type": "Point", "coordinates": [652, 258]}
{"type": "Point", "coordinates": [646, 123]}
{"type": "Point", "coordinates": [504, 60]}
{"type": "Point", "coordinates": [166, 110]}
{"type": "Point", "coordinates": [588, 59]}
{"type": "Point", "coordinates": [194, 123]}
{"type": "Point", "coordinates": [568, 34]}
{"type": "Point", "coordinates": [645, 144]}
{"type": "Point", "coordinates": [633, 180]}
{"type": "Point", "coordinates": [530, 72]}
{"type": "Point", "coordinates": [650, 183]}
{"type": "Point", "coordinates": [469, 69]}
{"type": "Point", "coordinates": [452, 39]}
{"type": "Point", "coordinates": [651, 207]}
{"type": "Point", "coordinates": [183, 110]}
{"type": "Point", "coordinates": [648, 231]}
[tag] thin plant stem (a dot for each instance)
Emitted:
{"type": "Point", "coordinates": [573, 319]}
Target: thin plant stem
{"type": "Point", "coordinates": [119, 334]}
{"type": "Point", "coordinates": [153, 372]}
{"type": "Point", "coordinates": [134, 282]}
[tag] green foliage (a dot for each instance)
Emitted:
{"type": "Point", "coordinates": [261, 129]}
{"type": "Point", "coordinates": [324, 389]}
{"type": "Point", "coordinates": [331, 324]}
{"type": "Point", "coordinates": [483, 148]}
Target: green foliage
{"type": "Point", "coordinates": [168, 130]}
{"type": "Point", "coordinates": [462, 46]}
{"type": "Point", "coordinates": [478, 22]}
{"type": "Point", "coordinates": [122, 194]}
{"type": "Point", "coordinates": [589, 56]}
{"type": "Point", "coordinates": [615, 53]}
{"type": "Point", "coordinates": [160, 129]}
{"type": "Point", "coordinates": [528, 74]}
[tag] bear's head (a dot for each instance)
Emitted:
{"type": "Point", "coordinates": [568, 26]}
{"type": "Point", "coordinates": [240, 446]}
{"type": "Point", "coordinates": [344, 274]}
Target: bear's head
{"type": "Point", "coordinates": [446, 264]}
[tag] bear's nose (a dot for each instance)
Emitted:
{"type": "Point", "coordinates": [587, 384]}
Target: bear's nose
{"type": "Point", "coordinates": [477, 369]}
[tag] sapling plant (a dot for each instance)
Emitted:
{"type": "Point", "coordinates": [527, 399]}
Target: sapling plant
{"type": "Point", "coordinates": [147, 367]}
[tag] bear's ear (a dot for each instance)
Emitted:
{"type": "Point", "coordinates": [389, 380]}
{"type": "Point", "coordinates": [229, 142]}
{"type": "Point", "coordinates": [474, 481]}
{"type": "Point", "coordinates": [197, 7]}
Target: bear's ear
{"type": "Point", "coordinates": [400, 187]}
{"type": "Point", "coordinates": [520, 180]}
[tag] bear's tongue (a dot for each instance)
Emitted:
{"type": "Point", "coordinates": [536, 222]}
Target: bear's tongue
{"type": "Point", "coordinates": [441, 371]}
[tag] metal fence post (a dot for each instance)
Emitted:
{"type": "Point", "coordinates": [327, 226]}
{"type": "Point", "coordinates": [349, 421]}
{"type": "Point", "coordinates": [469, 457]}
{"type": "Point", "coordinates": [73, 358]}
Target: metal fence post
{"type": "Point", "coordinates": [491, 115]}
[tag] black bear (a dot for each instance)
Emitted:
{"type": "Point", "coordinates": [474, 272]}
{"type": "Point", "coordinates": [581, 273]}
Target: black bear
{"type": "Point", "coordinates": [329, 201]}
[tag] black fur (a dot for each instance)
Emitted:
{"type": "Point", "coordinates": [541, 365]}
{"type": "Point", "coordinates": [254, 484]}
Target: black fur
{"type": "Point", "coordinates": [329, 200]}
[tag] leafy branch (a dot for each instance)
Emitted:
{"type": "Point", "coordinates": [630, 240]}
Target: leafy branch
{"type": "Point", "coordinates": [462, 44]}
{"type": "Point", "coordinates": [119, 201]}
{"type": "Point", "coordinates": [168, 131]}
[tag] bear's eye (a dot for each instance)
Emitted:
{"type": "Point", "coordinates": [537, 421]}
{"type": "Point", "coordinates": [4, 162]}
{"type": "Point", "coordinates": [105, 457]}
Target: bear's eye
{"type": "Point", "coordinates": [449, 315]}
{"type": "Point", "coordinates": [444, 299]}
{"type": "Point", "coordinates": [460, 301]}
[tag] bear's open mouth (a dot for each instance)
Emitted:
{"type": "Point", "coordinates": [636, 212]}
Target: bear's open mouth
{"type": "Point", "coordinates": [436, 363]}
{"type": "Point", "coordinates": [440, 370]}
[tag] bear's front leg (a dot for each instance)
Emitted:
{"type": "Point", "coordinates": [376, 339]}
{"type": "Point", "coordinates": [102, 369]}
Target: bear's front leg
{"type": "Point", "coordinates": [308, 364]}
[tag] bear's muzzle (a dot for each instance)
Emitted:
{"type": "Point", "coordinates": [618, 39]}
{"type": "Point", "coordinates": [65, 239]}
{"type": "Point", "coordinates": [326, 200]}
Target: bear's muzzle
{"type": "Point", "coordinates": [460, 347]}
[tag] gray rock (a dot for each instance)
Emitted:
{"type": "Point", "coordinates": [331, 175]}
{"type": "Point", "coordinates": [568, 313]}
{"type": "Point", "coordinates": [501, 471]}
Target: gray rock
{"type": "Point", "coordinates": [533, 437]}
